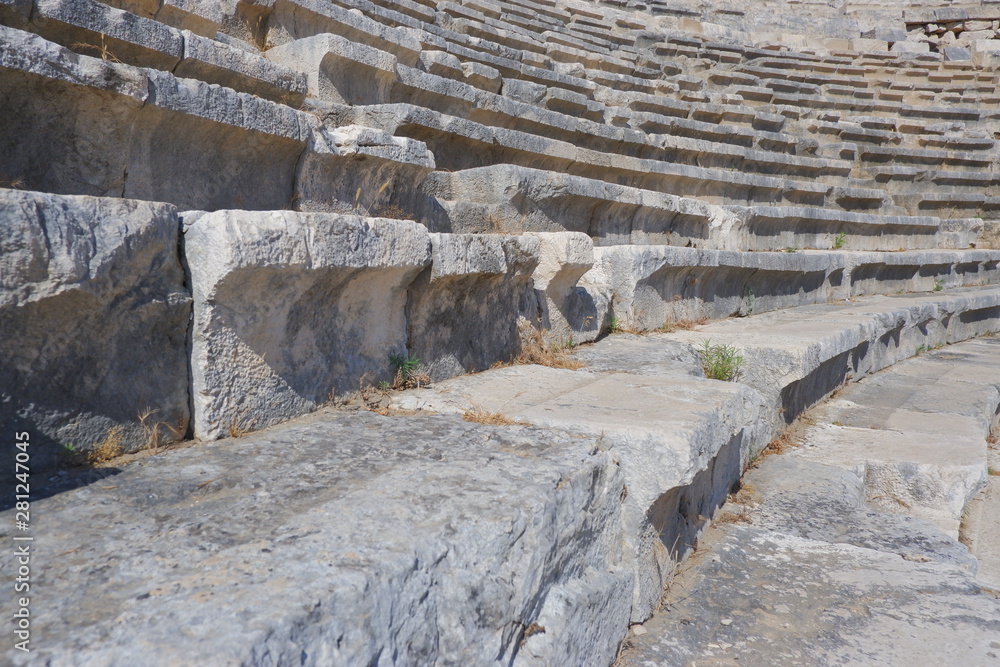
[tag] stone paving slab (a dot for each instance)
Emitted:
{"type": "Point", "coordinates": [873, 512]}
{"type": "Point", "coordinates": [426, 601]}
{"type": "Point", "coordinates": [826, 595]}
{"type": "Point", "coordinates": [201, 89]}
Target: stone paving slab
{"type": "Point", "coordinates": [814, 566]}
{"type": "Point", "coordinates": [337, 539]}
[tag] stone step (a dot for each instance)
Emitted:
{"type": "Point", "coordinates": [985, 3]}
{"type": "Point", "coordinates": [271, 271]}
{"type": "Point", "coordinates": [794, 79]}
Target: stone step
{"type": "Point", "coordinates": [514, 198]}
{"type": "Point", "coordinates": [906, 441]}
{"type": "Point", "coordinates": [92, 290]}
{"type": "Point", "coordinates": [385, 81]}
{"type": "Point", "coordinates": [796, 356]}
{"type": "Point", "coordinates": [97, 30]}
{"type": "Point", "coordinates": [461, 144]}
{"type": "Point", "coordinates": [96, 127]}
{"type": "Point", "coordinates": [655, 287]}
{"type": "Point", "coordinates": [916, 432]}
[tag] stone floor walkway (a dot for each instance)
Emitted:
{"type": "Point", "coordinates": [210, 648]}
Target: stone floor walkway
{"type": "Point", "coordinates": [843, 549]}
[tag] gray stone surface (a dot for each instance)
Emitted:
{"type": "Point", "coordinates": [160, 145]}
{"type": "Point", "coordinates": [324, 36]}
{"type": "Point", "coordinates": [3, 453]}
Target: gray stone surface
{"type": "Point", "coordinates": [128, 131]}
{"type": "Point", "coordinates": [293, 308]}
{"type": "Point", "coordinates": [93, 322]}
{"type": "Point", "coordinates": [681, 441]}
{"type": "Point", "coordinates": [339, 539]}
{"type": "Point", "coordinates": [569, 310]}
{"type": "Point", "coordinates": [797, 356]}
{"type": "Point", "coordinates": [836, 579]}
{"type": "Point", "coordinates": [462, 311]}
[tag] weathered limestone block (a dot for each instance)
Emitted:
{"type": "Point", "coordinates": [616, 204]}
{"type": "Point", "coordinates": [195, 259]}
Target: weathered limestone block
{"type": "Point", "coordinates": [214, 62]}
{"type": "Point", "coordinates": [797, 356]}
{"type": "Point", "coordinates": [482, 76]}
{"type": "Point", "coordinates": [128, 37]}
{"type": "Point", "coordinates": [340, 70]}
{"type": "Point", "coordinates": [521, 198]}
{"type": "Point", "coordinates": [569, 311]}
{"type": "Point", "coordinates": [292, 20]}
{"type": "Point", "coordinates": [340, 539]}
{"type": "Point", "coordinates": [203, 17]}
{"type": "Point", "coordinates": [916, 271]}
{"type": "Point", "coordinates": [290, 308]}
{"type": "Point", "coordinates": [93, 322]}
{"type": "Point", "coordinates": [681, 441]}
{"type": "Point", "coordinates": [462, 311]}
{"type": "Point", "coordinates": [88, 126]}
{"type": "Point", "coordinates": [654, 286]}
{"type": "Point", "coordinates": [358, 169]}
{"type": "Point", "coordinates": [441, 63]}
{"type": "Point", "coordinates": [915, 434]}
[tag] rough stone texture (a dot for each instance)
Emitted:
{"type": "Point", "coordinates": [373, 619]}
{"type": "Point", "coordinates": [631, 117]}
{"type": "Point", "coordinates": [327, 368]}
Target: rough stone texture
{"type": "Point", "coordinates": [290, 308]}
{"type": "Point", "coordinates": [93, 322]}
{"type": "Point", "coordinates": [916, 432]}
{"type": "Point", "coordinates": [570, 310]}
{"type": "Point", "coordinates": [340, 539]}
{"type": "Point", "coordinates": [82, 125]}
{"type": "Point", "coordinates": [535, 200]}
{"type": "Point", "coordinates": [653, 286]}
{"type": "Point", "coordinates": [676, 137]}
{"type": "Point", "coordinates": [462, 311]}
{"type": "Point", "coordinates": [799, 355]}
{"type": "Point", "coordinates": [681, 441]}
{"type": "Point", "coordinates": [884, 587]}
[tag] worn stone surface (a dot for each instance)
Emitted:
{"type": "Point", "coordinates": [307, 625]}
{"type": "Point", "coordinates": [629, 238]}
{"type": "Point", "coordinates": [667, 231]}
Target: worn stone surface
{"type": "Point", "coordinates": [462, 311]}
{"type": "Point", "coordinates": [799, 355]}
{"type": "Point", "coordinates": [569, 309]}
{"type": "Point", "coordinates": [335, 291]}
{"type": "Point", "coordinates": [682, 442]}
{"type": "Point", "coordinates": [878, 586]}
{"type": "Point", "coordinates": [339, 539]}
{"type": "Point", "coordinates": [93, 322]}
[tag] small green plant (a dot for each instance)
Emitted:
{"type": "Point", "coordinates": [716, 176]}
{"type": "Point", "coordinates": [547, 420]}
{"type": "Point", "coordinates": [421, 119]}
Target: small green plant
{"type": "Point", "coordinates": [614, 324]}
{"type": "Point", "coordinates": [721, 362]}
{"type": "Point", "coordinates": [938, 285]}
{"type": "Point", "coordinates": [792, 248]}
{"type": "Point", "coordinates": [408, 371]}
{"type": "Point", "coordinates": [840, 240]}
{"type": "Point", "coordinates": [993, 472]}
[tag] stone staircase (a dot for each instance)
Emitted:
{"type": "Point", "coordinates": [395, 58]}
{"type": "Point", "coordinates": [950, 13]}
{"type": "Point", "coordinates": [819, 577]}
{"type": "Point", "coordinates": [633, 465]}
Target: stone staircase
{"type": "Point", "coordinates": [217, 217]}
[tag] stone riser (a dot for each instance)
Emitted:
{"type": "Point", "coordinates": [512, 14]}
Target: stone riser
{"type": "Point", "coordinates": [651, 287]}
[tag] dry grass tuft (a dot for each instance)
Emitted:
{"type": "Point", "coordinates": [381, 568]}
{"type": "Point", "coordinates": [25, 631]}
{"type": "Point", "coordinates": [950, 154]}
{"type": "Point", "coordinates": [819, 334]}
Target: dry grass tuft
{"type": "Point", "coordinates": [240, 426]}
{"type": "Point", "coordinates": [481, 416]}
{"type": "Point", "coordinates": [535, 350]}
{"type": "Point", "coordinates": [109, 448]}
{"type": "Point", "coordinates": [102, 50]}
{"type": "Point", "coordinates": [683, 325]}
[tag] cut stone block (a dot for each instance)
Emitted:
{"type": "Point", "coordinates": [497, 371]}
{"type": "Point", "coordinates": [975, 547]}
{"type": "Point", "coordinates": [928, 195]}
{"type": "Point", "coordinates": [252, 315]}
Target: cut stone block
{"type": "Point", "coordinates": [506, 529]}
{"type": "Point", "coordinates": [103, 29]}
{"type": "Point", "coordinates": [462, 312]}
{"type": "Point", "coordinates": [525, 199]}
{"type": "Point", "coordinates": [797, 356]}
{"type": "Point", "coordinates": [681, 441]}
{"type": "Point", "coordinates": [214, 62]}
{"type": "Point", "coordinates": [570, 311]}
{"type": "Point", "coordinates": [89, 126]}
{"type": "Point", "coordinates": [650, 287]}
{"type": "Point", "coordinates": [340, 70]}
{"type": "Point", "coordinates": [93, 323]}
{"type": "Point", "coordinates": [291, 308]}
